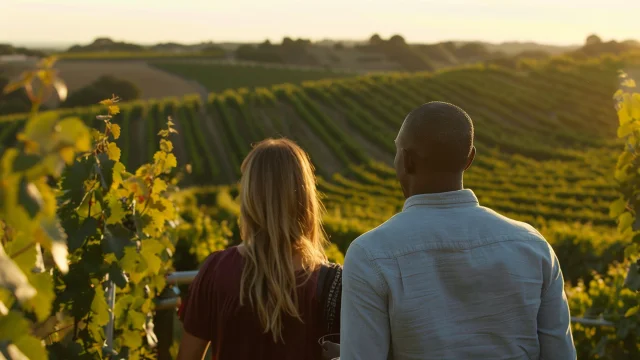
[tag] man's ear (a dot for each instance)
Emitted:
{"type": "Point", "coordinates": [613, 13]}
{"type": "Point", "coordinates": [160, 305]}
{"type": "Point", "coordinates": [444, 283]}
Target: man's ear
{"type": "Point", "coordinates": [408, 161]}
{"type": "Point", "coordinates": [472, 156]}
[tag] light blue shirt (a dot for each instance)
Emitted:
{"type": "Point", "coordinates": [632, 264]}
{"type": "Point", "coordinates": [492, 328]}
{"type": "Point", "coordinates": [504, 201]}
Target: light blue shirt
{"type": "Point", "coordinates": [449, 279]}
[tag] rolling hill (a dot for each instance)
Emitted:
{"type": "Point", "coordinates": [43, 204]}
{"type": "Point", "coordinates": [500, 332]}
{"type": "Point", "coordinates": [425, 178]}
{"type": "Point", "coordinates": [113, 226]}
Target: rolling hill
{"type": "Point", "coordinates": [545, 134]}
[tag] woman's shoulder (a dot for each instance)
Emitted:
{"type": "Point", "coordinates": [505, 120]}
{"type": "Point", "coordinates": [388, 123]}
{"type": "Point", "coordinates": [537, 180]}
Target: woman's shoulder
{"type": "Point", "coordinates": [225, 259]}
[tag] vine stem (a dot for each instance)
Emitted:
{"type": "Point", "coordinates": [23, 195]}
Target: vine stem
{"type": "Point", "coordinates": [23, 250]}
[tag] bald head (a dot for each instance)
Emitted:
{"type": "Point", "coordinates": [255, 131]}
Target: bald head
{"type": "Point", "coordinates": [440, 135]}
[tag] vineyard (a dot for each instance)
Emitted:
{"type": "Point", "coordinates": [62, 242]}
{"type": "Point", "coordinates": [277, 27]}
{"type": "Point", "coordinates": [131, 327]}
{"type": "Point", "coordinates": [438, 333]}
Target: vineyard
{"type": "Point", "coordinates": [219, 76]}
{"type": "Point", "coordinates": [546, 140]}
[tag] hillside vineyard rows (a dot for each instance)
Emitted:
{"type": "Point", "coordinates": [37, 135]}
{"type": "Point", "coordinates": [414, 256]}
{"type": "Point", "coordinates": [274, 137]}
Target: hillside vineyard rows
{"type": "Point", "coordinates": [546, 140]}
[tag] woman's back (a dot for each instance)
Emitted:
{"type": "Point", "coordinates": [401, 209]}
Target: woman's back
{"type": "Point", "coordinates": [213, 312]}
{"type": "Point", "coordinates": [258, 300]}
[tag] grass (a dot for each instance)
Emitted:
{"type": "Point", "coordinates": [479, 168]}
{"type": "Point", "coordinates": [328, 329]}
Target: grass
{"type": "Point", "coordinates": [219, 77]}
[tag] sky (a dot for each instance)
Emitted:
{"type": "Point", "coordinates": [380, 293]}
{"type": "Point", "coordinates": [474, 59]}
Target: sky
{"type": "Point", "coordinates": [561, 22]}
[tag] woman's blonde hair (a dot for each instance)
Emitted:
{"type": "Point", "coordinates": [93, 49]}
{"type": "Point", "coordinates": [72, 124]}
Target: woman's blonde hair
{"type": "Point", "coordinates": [280, 216]}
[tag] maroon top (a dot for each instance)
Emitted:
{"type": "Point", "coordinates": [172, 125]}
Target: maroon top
{"type": "Point", "coordinates": [212, 312]}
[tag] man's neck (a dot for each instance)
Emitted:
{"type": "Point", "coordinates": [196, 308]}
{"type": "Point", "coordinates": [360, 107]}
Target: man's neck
{"type": "Point", "coordinates": [436, 183]}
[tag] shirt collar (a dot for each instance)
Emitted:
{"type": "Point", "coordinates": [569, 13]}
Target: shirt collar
{"type": "Point", "coordinates": [451, 199]}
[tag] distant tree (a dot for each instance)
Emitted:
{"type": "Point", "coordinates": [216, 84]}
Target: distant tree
{"type": "Point", "coordinates": [593, 39]}
{"type": "Point", "coordinates": [397, 40]}
{"type": "Point", "coordinates": [471, 50]}
{"type": "Point", "coordinates": [338, 46]}
{"type": "Point", "coordinates": [102, 89]}
{"type": "Point", "coordinates": [265, 45]}
{"type": "Point", "coordinates": [213, 50]}
{"type": "Point", "coordinates": [375, 40]}
{"type": "Point", "coordinates": [287, 42]}
{"type": "Point", "coordinates": [264, 53]}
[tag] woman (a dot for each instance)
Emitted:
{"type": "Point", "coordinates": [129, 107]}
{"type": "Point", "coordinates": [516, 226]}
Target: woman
{"type": "Point", "coordinates": [267, 298]}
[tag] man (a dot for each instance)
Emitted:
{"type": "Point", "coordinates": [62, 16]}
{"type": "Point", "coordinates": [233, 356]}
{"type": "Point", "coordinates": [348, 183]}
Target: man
{"type": "Point", "coordinates": [446, 278]}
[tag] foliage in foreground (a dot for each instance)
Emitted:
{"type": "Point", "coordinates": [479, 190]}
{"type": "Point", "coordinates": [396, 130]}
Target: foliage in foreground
{"type": "Point", "coordinates": [78, 229]}
{"type": "Point", "coordinates": [616, 296]}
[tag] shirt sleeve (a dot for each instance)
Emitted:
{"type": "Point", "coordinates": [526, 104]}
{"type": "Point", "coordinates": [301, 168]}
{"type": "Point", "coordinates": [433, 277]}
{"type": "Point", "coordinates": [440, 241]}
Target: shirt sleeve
{"type": "Point", "coordinates": [365, 333]}
{"type": "Point", "coordinates": [198, 311]}
{"type": "Point", "coordinates": [554, 319]}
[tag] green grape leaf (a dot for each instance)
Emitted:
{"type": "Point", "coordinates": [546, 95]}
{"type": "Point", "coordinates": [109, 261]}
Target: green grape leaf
{"type": "Point", "coordinates": [29, 197]}
{"type": "Point", "coordinates": [118, 170]}
{"type": "Point", "coordinates": [132, 339]}
{"type": "Point", "coordinates": [13, 326]}
{"type": "Point", "coordinates": [73, 179]}
{"type": "Point", "coordinates": [152, 246]}
{"type": "Point", "coordinates": [153, 262]}
{"type": "Point", "coordinates": [105, 170]}
{"type": "Point", "coordinates": [39, 128]}
{"type": "Point", "coordinates": [73, 132]}
{"type": "Point", "coordinates": [99, 307]}
{"type": "Point", "coordinates": [22, 250]}
{"type": "Point", "coordinates": [632, 281]}
{"type": "Point", "coordinates": [116, 238]}
{"type": "Point", "coordinates": [624, 222]}
{"type": "Point", "coordinates": [78, 237]}
{"type": "Point", "coordinates": [117, 276]}
{"type": "Point", "coordinates": [41, 304]}
{"type": "Point", "coordinates": [136, 320]}
{"type": "Point", "coordinates": [31, 347]}
{"type": "Point", "coordinates": [82, 298]}
{"type": "Point", "coordinates": [631, 250]}
{"type": "Point", "coordinates": [617, 208]}
{"type": "Point", "coordinates": [12, 278]}
{"type": "Point", "coordinates": [24, 162]}
{"type": "Point", "coordinates": [93, 259]}
{"type": "Point", "coordinates": [116, 210]}
{"type": "Point", "coordinates": [123, 303]}
{"type": "Point", "coordinates": [129, 260]}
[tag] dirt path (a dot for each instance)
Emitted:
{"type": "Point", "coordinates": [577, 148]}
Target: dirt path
{"type": "Point", "coordinates": [227, 173]}
{"type": "Point", "coordinates": [153, 83]}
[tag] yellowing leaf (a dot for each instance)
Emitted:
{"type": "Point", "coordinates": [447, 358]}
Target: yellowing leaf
{"type": "Point", "coordinates": [73, 132]}
{"type": "Point", "coordinates": [158, 186]}
{"type": "Point", "coordinates": [628, 128]}
{"type": "Point", "coordinates": [617, 208]}
{"type": "Point", "coordinates": [67, 154]}
{"type": "Point", "coordinates": [623, 116]}
{"type": "Point", "coordinates": [117, 212]}
{"type": "Point", "coordinates": [632, 311]}
{"type": "Point", "coordinates": [170, 162]}
{"type": "Point", "coordinates": [107, 102]}
{"type": "Point", "coordinates": [13, 86]}
{"type": "Point", "coordinates": [118, 169]}
{"type": "Point", "coordinates": [114, 110]}
{"type": "Point", "coordinates": [136, 186]}
{"type": "Point", "coordinates": [115, 130]}
{"type": "Point", "coordinates": [624, 222]}
{"type": "Point", "coordinates": [629, 83]}
{"type": "Point", "coordinates": [113, 151]}
{"type": "Point", "coordinates": [166, 145]}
